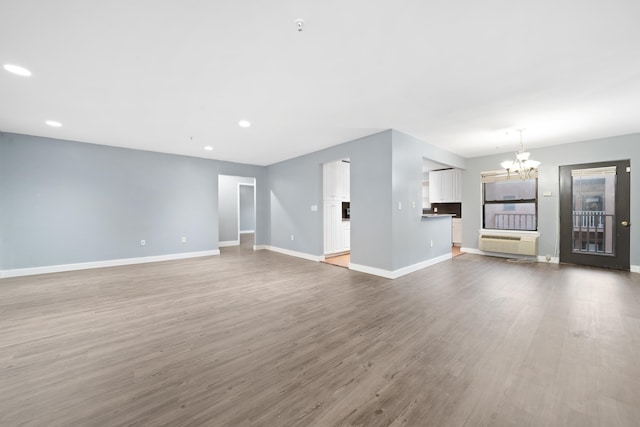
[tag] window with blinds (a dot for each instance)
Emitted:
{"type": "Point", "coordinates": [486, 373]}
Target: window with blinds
{"type": "Point", "coordinates": [509, 202]}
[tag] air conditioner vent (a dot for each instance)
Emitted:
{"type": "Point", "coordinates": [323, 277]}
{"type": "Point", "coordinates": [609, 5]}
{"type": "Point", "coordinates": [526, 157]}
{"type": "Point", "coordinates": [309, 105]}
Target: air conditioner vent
{"type": "Point", "coordinates": [509, 244]}
{"type": "Point", "coordinates": [486, 236]}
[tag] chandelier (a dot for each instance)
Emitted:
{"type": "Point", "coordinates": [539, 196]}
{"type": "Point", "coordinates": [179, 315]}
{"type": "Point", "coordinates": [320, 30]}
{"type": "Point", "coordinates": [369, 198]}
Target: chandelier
{"type": "Point", "coordinates": [522, 165]}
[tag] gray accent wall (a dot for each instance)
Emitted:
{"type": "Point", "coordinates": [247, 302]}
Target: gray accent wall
{"type": "Point", "coordinates": [613, 148]}
{"type": "Point", "coordinates": [228, 206]}
{"type": "Point", "coordinates": [65, 202]}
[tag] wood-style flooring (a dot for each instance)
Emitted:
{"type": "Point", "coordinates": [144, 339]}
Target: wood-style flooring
{"type": "Point", "coordinates": [259, 338]}
{"type": "Point", "coordinates": [339, 260]}
{"type": "Point", "coordinates": [344, 259]}
{"type": "Point", "coordinates": [455, 251]}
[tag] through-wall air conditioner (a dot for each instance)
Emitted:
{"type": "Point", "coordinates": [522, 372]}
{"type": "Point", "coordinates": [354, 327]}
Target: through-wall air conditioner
{"type": "Point", "coordinates": [509, 244]}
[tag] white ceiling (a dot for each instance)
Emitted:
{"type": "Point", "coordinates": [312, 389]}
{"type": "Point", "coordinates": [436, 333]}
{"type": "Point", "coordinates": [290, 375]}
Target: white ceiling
{"type": "Point", "coordinates": [174, 76]}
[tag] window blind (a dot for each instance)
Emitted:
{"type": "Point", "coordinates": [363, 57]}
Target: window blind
{"type": "Point", "coordinates": [501, 175]}
{"type": "Point", "coordinates": [607, 170]}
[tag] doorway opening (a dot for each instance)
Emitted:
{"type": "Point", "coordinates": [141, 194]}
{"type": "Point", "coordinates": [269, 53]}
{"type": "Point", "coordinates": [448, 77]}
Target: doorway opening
{"type": "Point", "coordinates": [594, 214]}
{"type": "Point", "coordinates": [236, 211]}
{"type": "Point", "coordinates": [336, 190]}
{"type": "Point", "coordinates": [442, 194]}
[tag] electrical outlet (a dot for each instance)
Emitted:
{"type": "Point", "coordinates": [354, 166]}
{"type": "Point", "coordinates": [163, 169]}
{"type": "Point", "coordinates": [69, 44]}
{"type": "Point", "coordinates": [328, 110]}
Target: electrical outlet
{"type": "Point", "coordinates": [184, 239]}
{"type": "Point", "coordinates": [399, 205]}
{"type": "Point", "coordinates": [314, 208]}
{"type": "Point", "coordinates": [435, 210]}
{"type": "Point", "coordinates": [292, 237]}
{"type": "Point", "coordinates": [548, 258]}
{"type": "Point", "coordinates": [143, 242]}
{"type": "Point", "coordinates": [413, 204]}
{"type": "Point", "coordinates": [432, 243]}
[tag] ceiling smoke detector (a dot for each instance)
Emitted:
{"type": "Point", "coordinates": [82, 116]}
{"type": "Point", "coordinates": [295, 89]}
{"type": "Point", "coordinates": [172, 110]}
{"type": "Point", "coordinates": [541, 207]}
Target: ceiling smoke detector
{"type": "Point", "coordinates": [300, 24]}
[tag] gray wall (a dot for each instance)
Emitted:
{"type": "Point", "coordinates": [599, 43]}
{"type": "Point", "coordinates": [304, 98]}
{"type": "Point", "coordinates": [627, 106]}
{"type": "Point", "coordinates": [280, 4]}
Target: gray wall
{"type": "Point", "coordinates": [247, 209]}
{"type": "Point", "coordinates": [385, 168]}
{"type": "Point", "coordinates": [412, 235]}
{"type": "Point", "coordinates": [228, 206]}
{"type": "Point", "coordinates": [66, 202]}
{"type": "Point", "coordinates": [614, 148]}
{"type": "Point", "coordinates": [296, 184]}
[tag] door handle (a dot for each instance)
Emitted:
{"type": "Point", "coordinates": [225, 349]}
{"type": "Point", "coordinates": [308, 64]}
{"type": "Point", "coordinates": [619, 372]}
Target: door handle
{"type": "Point", "coordinates": [625, 223]}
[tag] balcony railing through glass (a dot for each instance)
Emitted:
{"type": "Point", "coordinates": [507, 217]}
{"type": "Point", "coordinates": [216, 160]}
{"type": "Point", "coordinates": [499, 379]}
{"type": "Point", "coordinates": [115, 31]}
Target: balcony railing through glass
{"type": "Point", "coordinates": [515, 221]}
{"type": "Point", "coordinates": [593, 232]}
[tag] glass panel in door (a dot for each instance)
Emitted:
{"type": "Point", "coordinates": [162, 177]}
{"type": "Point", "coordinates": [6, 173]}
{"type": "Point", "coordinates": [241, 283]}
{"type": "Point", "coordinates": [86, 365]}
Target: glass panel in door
{"type": "Point", "coordinates": [594, 210]}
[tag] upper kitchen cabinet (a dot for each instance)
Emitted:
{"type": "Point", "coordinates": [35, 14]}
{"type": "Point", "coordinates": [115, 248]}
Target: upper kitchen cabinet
{"type": "Point", "coordinates": [445, 186]}
{"type": "Point", "coordinates": [335, 179]}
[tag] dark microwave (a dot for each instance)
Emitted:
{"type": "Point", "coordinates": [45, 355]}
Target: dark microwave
{"type": "Point", "coordinates": [346, 210]}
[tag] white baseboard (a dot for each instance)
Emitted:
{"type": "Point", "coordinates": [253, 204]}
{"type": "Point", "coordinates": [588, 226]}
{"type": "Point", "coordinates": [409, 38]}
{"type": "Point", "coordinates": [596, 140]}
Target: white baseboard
{"type": "Point", "coordinates": [228, 243]}
{"type": "Point", "coordinates": [540, 258]}
{"type": "Point", "coordinates": [498, 254]}
{"type": "Point", "coordinates": [470, 250]}
{"type": "Point", "coordinates": [260, 247]}
{"type": "Point", "coordinates": [247, 231]}
{"type": "Point", "coordinates": [316, 258]}
{"type": "Point", "coordinates": [552, 260]}
{"type": "Point", "coordinates": [100, 264]}
{"type": "Point", "coordinates": [388, 274]}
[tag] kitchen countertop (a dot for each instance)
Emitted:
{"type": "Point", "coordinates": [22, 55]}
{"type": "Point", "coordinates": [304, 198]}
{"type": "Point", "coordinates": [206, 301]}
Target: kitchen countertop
{"type": "Point", "coordinates": [435, 215]}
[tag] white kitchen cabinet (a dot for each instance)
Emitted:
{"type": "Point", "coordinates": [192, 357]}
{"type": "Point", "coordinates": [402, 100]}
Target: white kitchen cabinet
{"type": "Point", "coordinates": [333, 231]}
{"type": "Point", "coordinates": [346, 235]}
{"type": "Point", "coordinates": [337, 233]}
{"type": "Point", "coordinates": [344, 184]}
{"type": "Point", "coordinates": [456, 185]}
{"type": "Point", "coordinates": [445, 186]}
{"type": "Point", "coordinates": [435, 187]}
{"type": "Point", "coordinates": [335, 181]}
{"type": "Point", "coordinates": [329, 181]}
{"type": "Point", "coordinates": [456, 231]}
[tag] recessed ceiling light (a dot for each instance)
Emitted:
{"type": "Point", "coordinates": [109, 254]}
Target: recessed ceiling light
{"type": "Point", "coordinates": [16, 69]}
{"type": "Point", "coordinates": [53, 123]}
{"type": "Point", "coordinates": [244, 123]}
{"type": "Point", "coordinates": [208, 148]}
